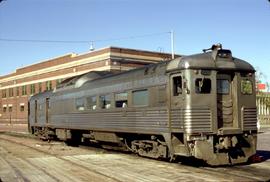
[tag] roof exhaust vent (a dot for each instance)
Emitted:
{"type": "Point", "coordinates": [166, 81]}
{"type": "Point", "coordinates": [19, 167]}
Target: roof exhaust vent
{"type": "Point", "coordinates": [219, 53]}
{"type": "Point", "coordinates": [214, 47]}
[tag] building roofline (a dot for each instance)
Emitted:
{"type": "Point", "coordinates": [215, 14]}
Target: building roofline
{"type": "Point", "coordinates": [75, 55]}
{"type": "Point", "coordinates": [123, 48]}
{"type": "Point", "coordinates": [48, 60]}
{"type": "Point", "coordinates": [140, 50]}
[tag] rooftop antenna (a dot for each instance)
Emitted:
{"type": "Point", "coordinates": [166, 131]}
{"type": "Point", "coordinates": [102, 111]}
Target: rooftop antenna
{"type": "Point", "coordinates": [160, 49]}
{"type": "Point", "coordinates": [92, 46]}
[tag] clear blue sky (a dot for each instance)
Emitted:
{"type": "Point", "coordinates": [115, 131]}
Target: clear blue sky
{"type": "Point", "coordinates": [242, 26]}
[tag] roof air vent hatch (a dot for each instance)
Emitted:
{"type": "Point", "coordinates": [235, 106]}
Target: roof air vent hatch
{"type": "Point", "coordinates": [219, 53]}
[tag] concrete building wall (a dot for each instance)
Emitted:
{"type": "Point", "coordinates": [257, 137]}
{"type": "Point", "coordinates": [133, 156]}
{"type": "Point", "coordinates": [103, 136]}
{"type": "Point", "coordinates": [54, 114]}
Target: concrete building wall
{"type": "Point", "coordinates": [17, 87]}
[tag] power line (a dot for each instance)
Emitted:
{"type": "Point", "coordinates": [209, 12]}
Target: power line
{"type": "Point", "coordinates": [81, 41]}
{"type": "Point", "coordinates": [41, 41]}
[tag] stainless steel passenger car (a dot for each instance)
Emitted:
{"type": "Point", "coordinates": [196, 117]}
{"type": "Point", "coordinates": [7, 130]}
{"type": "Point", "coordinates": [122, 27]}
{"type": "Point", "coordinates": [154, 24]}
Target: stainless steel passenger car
{"type": "Point", "coordinates": [200, 106]}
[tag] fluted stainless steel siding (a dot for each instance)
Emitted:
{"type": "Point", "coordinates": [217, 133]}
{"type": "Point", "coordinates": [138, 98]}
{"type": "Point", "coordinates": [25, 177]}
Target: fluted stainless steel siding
{"type": "Point", "coordinates": [177, 118]}
{"type": "Point", "coordinates": [155, 121]}
{"type": "Point", "coordinates": [249, 118]}
{"type": "Point", "coordinates": [197, 120]}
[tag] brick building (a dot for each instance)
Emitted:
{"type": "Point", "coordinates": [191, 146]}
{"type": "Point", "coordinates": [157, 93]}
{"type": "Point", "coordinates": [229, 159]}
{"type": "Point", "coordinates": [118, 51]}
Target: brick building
{"type": "Point", "coordinates": [17, 87]}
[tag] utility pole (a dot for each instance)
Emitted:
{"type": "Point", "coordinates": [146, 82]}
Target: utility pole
{"type": "Point", "coordinates": [172, 43]}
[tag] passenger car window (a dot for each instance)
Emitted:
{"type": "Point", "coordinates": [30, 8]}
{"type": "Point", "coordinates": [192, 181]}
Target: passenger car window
{"type": "Point", "coordinates": [80, 105]}
{"type": "Point", "coordinates": [121, 100]}
{"type": "Point", "coordinates": [203, 85]}
{"type": "Point", "coordinates": [177, 85]}
{"type": "Point", "coordinates": [223, 86]}
{"type": "Point", "coordinates": [246, 87]}
{"type": "Point", "coordinates": [91, 102]}
{"type": "Point", "coordinates": [105, 101]}
{"type": "Point", "coordinates": [140, 98]}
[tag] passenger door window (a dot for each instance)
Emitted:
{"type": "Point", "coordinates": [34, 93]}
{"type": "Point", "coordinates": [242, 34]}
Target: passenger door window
{"type": "Point", "coordinates": [223, 86]}
{"type": "Point", "coordinates": [177, 85]}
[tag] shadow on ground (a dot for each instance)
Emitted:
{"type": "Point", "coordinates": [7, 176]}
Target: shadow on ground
{"type": "Point", "coordinates": [264, 154]}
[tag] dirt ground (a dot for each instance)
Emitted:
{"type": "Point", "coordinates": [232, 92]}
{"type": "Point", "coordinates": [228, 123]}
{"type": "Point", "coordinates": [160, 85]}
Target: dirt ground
{"type": "Point", "coordinates": [25, 158]}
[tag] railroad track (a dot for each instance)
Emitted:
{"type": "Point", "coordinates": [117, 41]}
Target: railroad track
{"type": "Point", "coordinates": [115, 166]}
{"type": "Point", "coordinates": [20, 175]}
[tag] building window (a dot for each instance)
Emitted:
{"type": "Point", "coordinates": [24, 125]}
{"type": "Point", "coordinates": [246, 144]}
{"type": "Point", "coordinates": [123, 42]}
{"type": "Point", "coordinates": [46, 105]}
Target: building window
{"type": "Point", "coordinates": [32, 89]}
{"type": "Point", "coordinates": [203, 85]}
{"type": "Point", "coordinates": [105, 101]}
{"type": "Point", "coordinates": [24, 90]}
{"type": "Point", "coordinates": [22, 108]}
{"type": "Point", "coordinates": [4, 93]}
{"type": "Point", "coordinates": [18, 91]}
{"type": "Point", "coordinates": [177, 85]}
{"type": "Point", "coordinates": [4, 108]}
{"type": "Point", "coordinates": [10, 92]}
{"type": "Point", "coordinates": [9, 108]}
{"type": "Point", "coordinates": [121, 99]}
{"type": "Point", "coordinates": [80, 105]}
{"type": "Point", "coordinates": [91, 102]}
{"type": "Point", "coordinates": [140, 98]}
{"type": "Point", "coordinates": [39, 87]}
{"type": "Point", "coordinates": [49, 85]}
{"type": "Point", "coordinates": [58, 82]}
